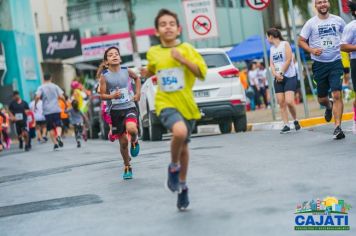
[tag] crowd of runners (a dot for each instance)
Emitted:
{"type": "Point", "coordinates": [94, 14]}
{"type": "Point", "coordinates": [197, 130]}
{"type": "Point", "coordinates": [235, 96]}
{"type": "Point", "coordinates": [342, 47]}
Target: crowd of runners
{"type": "Point", "coordinates": [177, 65]}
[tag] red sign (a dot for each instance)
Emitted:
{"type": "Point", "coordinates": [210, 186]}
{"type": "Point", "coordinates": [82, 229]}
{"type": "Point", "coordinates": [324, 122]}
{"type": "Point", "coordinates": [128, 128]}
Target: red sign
{"type": "Point", "coordinates": [345, 7]}
{"type": "Point", "coordinates": [258, 4]}
{"type": "Point", "coordinates": [201, 25]}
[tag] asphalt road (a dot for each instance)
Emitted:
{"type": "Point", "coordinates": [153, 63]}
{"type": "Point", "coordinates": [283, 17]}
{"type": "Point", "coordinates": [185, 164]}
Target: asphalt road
{"type": "Point", "coordinates": [240, 184]}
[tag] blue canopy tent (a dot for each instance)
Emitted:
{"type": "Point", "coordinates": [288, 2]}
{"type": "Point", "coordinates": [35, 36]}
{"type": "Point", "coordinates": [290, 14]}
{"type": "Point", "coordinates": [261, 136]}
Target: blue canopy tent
{"type": "Point", "coordinates": [252, 48]}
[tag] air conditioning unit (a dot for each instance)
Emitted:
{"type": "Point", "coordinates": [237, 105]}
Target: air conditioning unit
{"type": "Point", "coordinates": [102, 30]}
{"type": "Point", "coordinates": [87, 33]}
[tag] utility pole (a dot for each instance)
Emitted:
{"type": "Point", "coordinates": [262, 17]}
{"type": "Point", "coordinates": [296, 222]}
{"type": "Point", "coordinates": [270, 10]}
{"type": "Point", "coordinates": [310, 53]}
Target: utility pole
{"type": "Point", "coordinates": [131, 20]}
{"type": "Point", "coordinates": [297, 52]}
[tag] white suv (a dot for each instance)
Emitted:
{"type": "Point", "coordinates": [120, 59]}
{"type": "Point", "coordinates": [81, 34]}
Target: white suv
{"type": "Point", "coordinates": [220, 98]}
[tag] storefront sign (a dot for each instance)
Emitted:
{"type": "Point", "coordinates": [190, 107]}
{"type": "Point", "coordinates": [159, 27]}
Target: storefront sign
{"type": "Point", "coordinates": [61, 45]}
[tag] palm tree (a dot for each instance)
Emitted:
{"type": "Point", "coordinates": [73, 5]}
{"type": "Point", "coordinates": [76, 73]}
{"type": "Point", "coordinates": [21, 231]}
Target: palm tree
{"type": "Point", "coordinates": [303, 7]}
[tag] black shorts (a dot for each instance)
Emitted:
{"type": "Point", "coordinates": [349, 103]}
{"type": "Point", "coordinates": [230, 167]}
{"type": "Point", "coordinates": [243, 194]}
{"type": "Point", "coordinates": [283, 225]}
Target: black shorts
{"type": "Point", "coordinates": [40, 122]}
{"type": "Point", "coordinates": [327, 76]}
{"type": "Point", "coordinates": [65, 123]}
{"type": "Point", "coordinates": [20, 127]}
{"type": "Point", "coordinates": [32, 132]}
{"type": "Point", "coordinates": [353, 73]}
{"type": "Point", "coordinates": [119, 119]}
{"type": "Point", "coordinates": [53, 121]}
{"type": "Point", "coordinates": [287, 84]}
{"type": "Point", "coordinates": [170, 116]}
{"type": "Point", "coordinates": [346, 70]}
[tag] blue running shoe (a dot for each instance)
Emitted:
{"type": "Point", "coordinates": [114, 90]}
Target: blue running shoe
{"type": "Point", "coordinates": [135, 149]}
{"type": "Point", "coordinates": [173, 179]}
{"type": "Point", "coordinates": [183, 200]}
{"type": "Point", "coordinates": [127, 173]}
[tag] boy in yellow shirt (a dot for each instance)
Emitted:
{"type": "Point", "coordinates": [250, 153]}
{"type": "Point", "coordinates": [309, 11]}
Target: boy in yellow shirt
{"type": "Point", "coordinates": [176, 66]}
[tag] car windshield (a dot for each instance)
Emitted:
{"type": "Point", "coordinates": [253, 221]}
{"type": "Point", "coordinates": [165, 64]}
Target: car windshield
{"type": "Point", "coordinates": [215, 60]}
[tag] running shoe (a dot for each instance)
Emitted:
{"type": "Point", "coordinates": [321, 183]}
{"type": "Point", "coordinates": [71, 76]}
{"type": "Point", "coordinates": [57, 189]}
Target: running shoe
{"type": "Point", "coordinates": [296, 125]}
{"type": "Point", "coordinates": [20, 144]}
{"type": "Point", "coordinates": [78, 144]}
{"type": "Point", "coordinates": [59, 140]}
{"type": "Point", "coordinates": [354, 128]}
{"type": "Point", "coordinates": [285, 129]}
{"type": "Point", "coordinates": [183, 200]}
{"type": "Point", "coordinates": [338, 133]}
{"type": "Point", "coordinates": [45, 139]}
{"type": "Point", "coordinates": [173, 179]}
{"type": "Point", "coordinates": [135, 149]}
{"type": "Point", "coordinates": [127, 173]}
{"type": "Point", "coordinates": [55, 147]}
{"type": "Point", "coordinates": [329, 113]}
{"type": "Point", "coordinates": [27, 148]}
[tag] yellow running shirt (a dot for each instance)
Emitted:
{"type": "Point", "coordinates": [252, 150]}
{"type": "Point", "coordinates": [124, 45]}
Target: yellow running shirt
{"type": "Point", "coordinates": [175, 81]}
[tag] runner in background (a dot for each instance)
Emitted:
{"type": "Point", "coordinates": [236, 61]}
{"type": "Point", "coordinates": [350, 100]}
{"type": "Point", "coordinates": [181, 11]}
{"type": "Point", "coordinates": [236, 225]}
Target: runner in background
{"type": "Point", "coordinates": [77, 120]}
{"type": "Point", "coordinates": [31, 126]}
{"type": "Point", "coordinates": [345, 59]}
{"type": "Point", "coordinates": [320, 36]}
{"type": "Point", "coordinates": [348, 44]}
{"type": "Point", "coordinates": [285, 82]}
{"type": "Point", "coordinates": [64, 104]}
{"type": "Point", "coordinates": [5, 127]}
{"type": "Point", "coordinates": [18, 109]}
{"type": "Point", "coordinates": [49, 93]}
{"type": "Point", "coordinates": [41, 129]}
{"type": "Point", "coordinates": [177, 65]}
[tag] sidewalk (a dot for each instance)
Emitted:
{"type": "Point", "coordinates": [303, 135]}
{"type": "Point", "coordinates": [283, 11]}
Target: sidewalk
{"type": "Point", "coordinates": [262, 119]}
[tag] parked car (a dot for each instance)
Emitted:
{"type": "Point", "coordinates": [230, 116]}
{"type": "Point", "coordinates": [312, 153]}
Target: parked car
{"type": "Point", "coordinates": [220, 98]}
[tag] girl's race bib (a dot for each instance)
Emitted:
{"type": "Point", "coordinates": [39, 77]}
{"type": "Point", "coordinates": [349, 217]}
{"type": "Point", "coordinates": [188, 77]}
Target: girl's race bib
{"type": "Point", "coordinates": [124, 97]}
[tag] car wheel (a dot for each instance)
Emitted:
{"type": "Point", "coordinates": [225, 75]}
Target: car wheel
{"type": "Point", "coordinates": [240, 124]}
{"type": "Point", "coordinates": [225, 127]}
{"type": "Point", "coordinates": [155, 131]}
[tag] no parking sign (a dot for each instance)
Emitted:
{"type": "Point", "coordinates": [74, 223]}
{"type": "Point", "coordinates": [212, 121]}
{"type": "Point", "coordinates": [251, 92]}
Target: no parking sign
{"type": "Point", "coordinates": [258, 4]}
{"type": "Point", "coordinates": [201, 19]}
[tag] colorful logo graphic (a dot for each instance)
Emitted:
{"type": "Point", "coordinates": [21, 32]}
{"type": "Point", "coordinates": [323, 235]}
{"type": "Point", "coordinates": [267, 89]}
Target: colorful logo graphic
{"type": "Point", "coordinates": [328, 214]}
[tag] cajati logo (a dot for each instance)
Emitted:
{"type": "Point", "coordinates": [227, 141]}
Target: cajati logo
{"type": "Point", "coordinates": [327, 214]}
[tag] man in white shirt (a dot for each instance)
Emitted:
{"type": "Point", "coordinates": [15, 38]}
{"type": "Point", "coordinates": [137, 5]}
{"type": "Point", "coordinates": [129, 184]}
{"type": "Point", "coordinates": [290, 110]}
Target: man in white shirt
{"type": "Point", "coordinates": [321, 36]}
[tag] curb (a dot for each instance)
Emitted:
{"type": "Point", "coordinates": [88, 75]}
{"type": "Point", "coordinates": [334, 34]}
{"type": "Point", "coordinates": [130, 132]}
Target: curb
{"type": "Point", "coordinates": [309, 122]}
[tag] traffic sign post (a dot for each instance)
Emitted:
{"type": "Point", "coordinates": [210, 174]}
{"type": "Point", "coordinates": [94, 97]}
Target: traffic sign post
{"type": "Point", "coordinates": [201, 19]}
{"type": "Point", "coordinates": [300, 70]}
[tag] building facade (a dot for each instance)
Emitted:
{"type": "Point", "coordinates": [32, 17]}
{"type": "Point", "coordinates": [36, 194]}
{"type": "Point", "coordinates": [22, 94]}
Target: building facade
{"type": "Point", "coordinates": [18, 40]}
{"type": "Point", "coordinates": [100, 18]}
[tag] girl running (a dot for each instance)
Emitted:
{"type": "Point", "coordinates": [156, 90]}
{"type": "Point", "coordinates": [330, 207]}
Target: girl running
{"type": "Point", "coordinates": [104, 107]}
{"type": "Point", "coordinates": [116, 88]}
{"type": "Point", "coordinates": [285, 82]}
